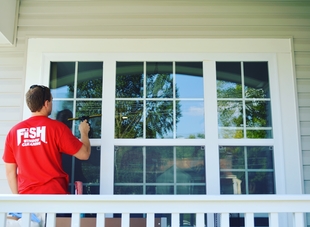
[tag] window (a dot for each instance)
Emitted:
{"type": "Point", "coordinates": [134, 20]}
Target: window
{"type": "Point", "coordinates": [77, 93]}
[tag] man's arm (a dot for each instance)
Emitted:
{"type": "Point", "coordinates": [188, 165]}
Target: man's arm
{"type": "Point", "coordinates": [84, 152]}
{"type": "Point", "coordinates": [11, 175]}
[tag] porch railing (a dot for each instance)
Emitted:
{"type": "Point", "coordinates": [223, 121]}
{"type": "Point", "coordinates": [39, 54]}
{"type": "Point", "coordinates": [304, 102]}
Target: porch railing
{"type": "Point", "coordinates": [282, 210]}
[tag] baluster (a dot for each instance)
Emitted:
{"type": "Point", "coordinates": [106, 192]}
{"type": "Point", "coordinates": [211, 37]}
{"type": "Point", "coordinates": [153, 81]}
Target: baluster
{"type": "Point", "coordinates": [50, 220]}
{"type": "Point", "coordinates": [175, 220]}
{"type": "Point", "coordinates": [249, 220]}
{"type": "Point", "coordinates": [150, 219]}
{"type": "Point", "coordinates": [274, 220]}
{"type": "Point", "coordinates": [75, 220]}
{"type": "Point", "coordinates": [100, 220]}
{"type": "Point", "coordinates": [200, 220]}
{"type": "Point", "coordinates": [125, 219]}
{"type": "Point", "coordinates": [26, 220]}
{"type": "Point", "coordinates": [224, 220]}
{"type": "Point", "coordinates": [299, 219]}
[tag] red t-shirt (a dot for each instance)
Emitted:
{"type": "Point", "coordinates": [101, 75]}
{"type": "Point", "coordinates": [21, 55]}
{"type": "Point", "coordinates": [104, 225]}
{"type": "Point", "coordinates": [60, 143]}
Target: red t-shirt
{"type": "Point", "coordinates": [35, 145]}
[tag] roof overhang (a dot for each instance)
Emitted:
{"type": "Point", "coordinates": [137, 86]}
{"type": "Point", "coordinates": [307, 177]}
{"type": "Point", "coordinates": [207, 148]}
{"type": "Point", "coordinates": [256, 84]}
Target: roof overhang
{"type": "Point", "coordinates": [8, 21]}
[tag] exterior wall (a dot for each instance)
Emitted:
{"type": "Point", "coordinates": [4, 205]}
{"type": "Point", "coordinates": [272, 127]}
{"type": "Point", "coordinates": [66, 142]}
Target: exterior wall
{"type": "Point", "coordinates": [156, 19]}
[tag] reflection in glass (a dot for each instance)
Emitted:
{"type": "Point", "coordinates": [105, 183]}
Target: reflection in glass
{"type": "Point", "coordinates": [62, 79]}
{"type": "Point", "coordinates": [159, 119]}
{"type": "Point", "coordinates": [191, 122]}
{"type": "Point", "coordinates": [87, 171]}
{"type": "Point", "coordinates": [62, 110]}
{"type": "Point", "coordinates": [166, 170]}
{"type": "Point", "coordinates": [260, 157]}
{"type": "Point", "coordinates": [189, 79]}
{"type": "Point", "coordinates": [230, 113]}
{"type": "Point", "coordinates": [256, 80]}
{"type": "Point", "coordinates": [261, 183]}
{"type": "Point", "coordinates": [89, 80]}
{"type": "Point", "coordinates": [228, 80]}
{"type": "Point", "coordinates": [258, 113]}
{"type": "Point", "coordinates": [225, 133]}
{"type": "Point", "coordinates": [128, 165]}
{"type": "Point", "coordinates": [159, 80]}
{"type": "Point", "coordinates": [247, 170]}
{"type": "Point", "coordinates": [129, 80]}
{"type": "Point", "coordinates": [128, 119]}
{"type": "Point", "coordinates": [89, 108]}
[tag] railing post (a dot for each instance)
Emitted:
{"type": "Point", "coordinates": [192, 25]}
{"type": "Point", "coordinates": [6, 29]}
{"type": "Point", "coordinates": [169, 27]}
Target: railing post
{"type": "Point", "coordinates": [273, 220]}
{"type": "Point", "coordinates": [100, 220]}
{"type": "Point", "coordinates": [298, 219]}
{"type": "Point", "coordinates": [175, 219]}
{"type": "Point", "coordinates": [50, 220]}
{"type": "Point", "coordinates": [224, 220]}
{"type": "Point", "coordinates": [249, 220]}
{"type": "Point", "coordinates": [150, 219]}
{"type": "Point", "coordinates": [125, 220]}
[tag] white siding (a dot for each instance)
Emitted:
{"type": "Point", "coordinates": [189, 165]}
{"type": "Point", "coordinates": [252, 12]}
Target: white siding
{"type": "Point", "coordinates": [156, 19]}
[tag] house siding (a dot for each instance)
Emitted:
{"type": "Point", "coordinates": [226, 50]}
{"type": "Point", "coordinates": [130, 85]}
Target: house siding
{"type": "Point", "coordinates": [156, 19]}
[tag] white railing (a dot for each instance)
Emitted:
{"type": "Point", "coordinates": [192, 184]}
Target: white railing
{"type": "Point", "coordinates": [283, 210]}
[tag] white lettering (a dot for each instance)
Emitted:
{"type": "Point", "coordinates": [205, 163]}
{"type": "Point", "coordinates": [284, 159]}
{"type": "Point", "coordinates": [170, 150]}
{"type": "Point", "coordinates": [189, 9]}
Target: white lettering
{"type": "Point", "coordinates": [31, 136]}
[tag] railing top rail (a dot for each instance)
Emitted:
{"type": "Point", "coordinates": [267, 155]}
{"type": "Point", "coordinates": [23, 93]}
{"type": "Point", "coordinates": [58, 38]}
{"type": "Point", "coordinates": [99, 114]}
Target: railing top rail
{"type": "Point", "coordinates": [155, 204]}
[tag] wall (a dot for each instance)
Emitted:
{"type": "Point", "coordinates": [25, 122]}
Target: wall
{"type": "Point", "coordinates": [156, 19]}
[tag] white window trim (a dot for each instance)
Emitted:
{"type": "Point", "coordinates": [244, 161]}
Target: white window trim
{"type": "Point", "coordinates": [286, 142]}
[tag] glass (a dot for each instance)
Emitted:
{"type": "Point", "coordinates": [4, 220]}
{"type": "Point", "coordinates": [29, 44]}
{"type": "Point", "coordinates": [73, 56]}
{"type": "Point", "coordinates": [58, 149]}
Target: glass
{"type": "Point", "coordinates": [228, 79]}
{"type": "Point", "coordinates": [129, 80]}
{"type": "Point", "coordinates": [159, 119]}
{"type": "Point", "coordinates": [87, 171]}
{"type": "Point", "coordinates": [190, 119]}
{"type": "Point", "coordinates": [62, 79]}
{"type": "Point", "coordinates": [247, 170]}
{"type": "Point", "coordinates": [89, 80]}
{"type": "Point", "coordinates": [62, 111]}
{"type": "Point", "coordinates": [260, 157]}
{"type": "Point", "coordinates": [189, 80]}
{"type": "Point", "coordinates": [128, 119]}
{"type": "Point", "coordinates": [230, 113]}
{"type": "Point", "coordinates": [159, 80]}
{"type": "Point", "coordinates": [90, 109]}
{"type": "Point", "coordinates": [160, 170]}
{"type": "Point", "coordinates": [128, 165]}
{"type": "Point", "coordinates": [256, 80]}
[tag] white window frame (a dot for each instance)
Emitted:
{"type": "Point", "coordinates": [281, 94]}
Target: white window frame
{"type": "Point", "coordinates": [286, 140]}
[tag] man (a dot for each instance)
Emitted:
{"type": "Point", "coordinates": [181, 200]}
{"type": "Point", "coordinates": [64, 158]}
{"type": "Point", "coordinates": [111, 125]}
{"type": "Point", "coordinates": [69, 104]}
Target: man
{"type": "Point", "coordinates": [33, 148]}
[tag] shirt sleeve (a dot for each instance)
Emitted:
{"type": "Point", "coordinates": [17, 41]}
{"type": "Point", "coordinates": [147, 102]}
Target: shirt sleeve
{"type": "Point", "coordinates": [69, 144]}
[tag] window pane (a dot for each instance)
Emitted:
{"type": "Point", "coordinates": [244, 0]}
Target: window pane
{"type": "Point", "coordinates": [89, 80]}
{"type": "Point", "coordinates": [247, 170]}
{"type": "Point", "coordinates": [190, 124]}
{"type": "Point", "coordinates": [159, 80]}
{"type": "Point", "coordinates": [260, 157]}
{"type": "Point", "coordinates": [158, 161]}
{"type": "Point", "coordinates": [261, 183]}
{"type": "Point", "coordinates": [128, 119]}
{"type": "Point", "coordinates": [62, 79]}
{"type": "Point", "coordinates": [228, 79]}
{"type": "Point", "coordinates": [128, 165]}
{"type": "Point", "coordinates": [62, 111]}
{"type": "Point", "coordinates": [159, 119]}
{"type": "Point", "coordinates": [256, 80]}
{"type": "Point", "coordinates": [189, 80]}
{"type": "Point", "coordinates": [91, 109]}
{"type": "Point", "coordinates": [129, 79]}
{"type": "Point", "coordinates": [160, 169]}
{"type": "Point", "coordinates": [87, 171]}
{"type": "Point", "coordinates": [230, 113]}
